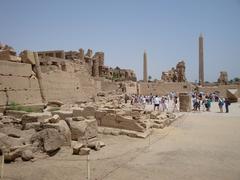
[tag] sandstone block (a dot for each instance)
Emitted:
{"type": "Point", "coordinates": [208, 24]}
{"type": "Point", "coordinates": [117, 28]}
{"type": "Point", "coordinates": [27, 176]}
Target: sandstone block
{"type": "Point", "coordinates": [84, 151]}
{"type": "Point", "coordinates": [27, 155]}
{"type": "Point", "coordinates": [35, 117]}
{"type": "Point", "coordinates": [27, 57]}
{"type": "Point", "coordinates": [63, 130]}
{"type": "Point", "coordinates": [50, 138]}
{"type": "Point", "coordinates": [76, 147]}
{"type": "Point", "coordinates": [15, 69]}
{"type": "Point", "coordinates": [83, 129]}
{"type": "Point", "coordinates": [63, 114]}
{"type": "Point", "coordinates": [109, 120]}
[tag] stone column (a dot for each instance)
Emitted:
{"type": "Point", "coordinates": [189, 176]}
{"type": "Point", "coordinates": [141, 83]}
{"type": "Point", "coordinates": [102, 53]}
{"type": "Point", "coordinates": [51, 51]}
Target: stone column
{"type": "Point", "coordinates": [145, 78]}
{"type": "Point", "coordinates": [201, 61]}
{"type": "Point", "coordinates": [39, 77]}
{"type": "Point", "coordinates": [95, 70]}
{"type": "Point", "coordinates": [184, 102]}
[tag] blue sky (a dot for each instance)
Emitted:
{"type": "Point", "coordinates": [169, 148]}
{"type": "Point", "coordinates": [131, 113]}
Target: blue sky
{"type": "Point", "coordinates": [167, 29]}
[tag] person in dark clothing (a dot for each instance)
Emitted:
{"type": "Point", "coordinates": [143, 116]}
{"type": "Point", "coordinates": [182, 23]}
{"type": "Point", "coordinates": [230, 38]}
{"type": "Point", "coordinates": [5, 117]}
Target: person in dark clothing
{"type": "Point", "coordinates": [227, 103]}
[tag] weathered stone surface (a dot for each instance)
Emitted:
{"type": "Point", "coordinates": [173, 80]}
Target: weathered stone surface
{"type": "Point", "coordinates": [7, 142]}
{"type": "Point", "coordinates": [84, 151]}
{"type": "Point", "coordinates": [54, 119]}
{"type": "Point", "coordinates": [63, 130]}
{"type": "Point", "coordinates": [55, 103]}
{"type": "Point", "coordinates": [95, 145]}
{"type": "Point", "coordinates": [109, 120]}
{"type": "Point", "coordinates": [80, 118]}
{"type": "Point", "coordinates": [83, 129]}
{"type": "Point", "coordinates": [87, 111]}
{"type": "Point", "coordinates": [35, 117]}
{"type": "Point", "coordinates": [125, 122]}
{"type": "Point", "coordinates": [16, 114]}
{"type": "Point", "coordinates": [76, 147]}
{"type": "Point", "coordinates": [135, 115]}
{"type": "Point", "coordinates": [185, 102]}
{"type": "Point", "coordinates": [11, 131]}
{"type": "Point", "coordinates": [27, 155]}
{"type": "Point", "coordinates": [154, 114]}
{"type": "Point", "coordinates": [232, 95]}
{"type": "Point", "coordinates": [50, 139]}
{"type": "Point", "coordinates": [15, 69]}
{"type": "Point", "coordinates": [63, 114]}
{"type": "Point", "coordinates": [27, 57]}
{"type": "Point", "coordinates": [34, 125]}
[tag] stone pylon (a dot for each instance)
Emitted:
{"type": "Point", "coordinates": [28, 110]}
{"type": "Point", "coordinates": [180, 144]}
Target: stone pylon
{"type": "Point", "coordinates": [201, 61]}
{"type": "Point", "coordinates": [145, 74]}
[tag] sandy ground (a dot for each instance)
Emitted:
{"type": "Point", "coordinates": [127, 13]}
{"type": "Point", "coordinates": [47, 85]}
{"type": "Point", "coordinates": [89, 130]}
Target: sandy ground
{"type": "Point", "coordinates": [200, 145]}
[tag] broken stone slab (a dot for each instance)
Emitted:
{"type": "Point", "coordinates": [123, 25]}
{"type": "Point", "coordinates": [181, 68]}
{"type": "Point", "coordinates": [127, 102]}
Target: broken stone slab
{"type": "Point", "coordinates": [135, 115]}
{"type": "Point", "coordinates": [76, 147]}
{"type": "Point", "coordinates": [80, 118]}
{"type": "Point", "coordinates": [34, 125]}
{"type": "Point", "coordinates": [126, 122]}
{"type": "Point", "coordinates": [87, 111]}
{"type": "Point", "coordinates": [82, 129]}
{"type": "Point", "coordinates": [11, 131]}
{"type": "Point", "coordinates": [101, 94]}
{"type": "Point", "coordinates": [27, 57]}
{"type": "Point", "coordinates": [55, 103]}
{"type": "Point", "coordinates": [94, 145]}
{"type": "Point", "coordinates": [8, 142]}
{"type": "Point", "coordinates": [135, 134]}
{"type": "Point", "coordinates": [109, 120]}
{"type": "Point", "coordinates": [63, 130]}
{"type": "Point", "coordinates": [63, 114]}
{"type": "Point", "coordinates": [154, 114]}
{"type": "Point", "coordinates": [9, 120]}
{"type": "Point", "coordinates": [27, 155]}
{"type": "Point", "coordinates": [54, 119]}
{"type": "Point", "coordinates": [170, 115]}
{"type": "Point", "coordinates": [50, 139]}
{"type": "Point", "coordinates": [35, 117]}
{"type": "Point", "coordinates": [84, 151]}
{"type": "Point", "coordinates": [16, 114]}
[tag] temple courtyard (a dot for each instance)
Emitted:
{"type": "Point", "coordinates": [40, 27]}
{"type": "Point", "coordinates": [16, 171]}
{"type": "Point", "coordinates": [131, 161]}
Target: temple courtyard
{"type": "Point", "coordinates": [199, 145]}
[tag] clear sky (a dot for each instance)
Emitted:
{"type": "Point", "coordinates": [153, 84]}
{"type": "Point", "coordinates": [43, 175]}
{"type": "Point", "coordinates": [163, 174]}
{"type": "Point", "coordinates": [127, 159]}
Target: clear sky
{"type": "Point", "coordinates": [167, 29]}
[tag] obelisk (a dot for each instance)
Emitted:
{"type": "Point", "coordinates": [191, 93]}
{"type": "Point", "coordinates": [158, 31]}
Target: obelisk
{"type": "Point", "coordinates": [145, 78]}
{"type": "Point", "coordinates": [201, 61]}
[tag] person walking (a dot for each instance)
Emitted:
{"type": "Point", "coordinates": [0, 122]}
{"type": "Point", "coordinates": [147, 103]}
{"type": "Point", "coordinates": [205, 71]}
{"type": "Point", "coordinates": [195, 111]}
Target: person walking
{"type": "Point", "coordinates": [220, 104]}
{"type": "Point", "coordinates": [227, 103]}
{"type": "Point", "coordinates": [156, 102]}
{"type": "Point", "coordinates": [175, 102]}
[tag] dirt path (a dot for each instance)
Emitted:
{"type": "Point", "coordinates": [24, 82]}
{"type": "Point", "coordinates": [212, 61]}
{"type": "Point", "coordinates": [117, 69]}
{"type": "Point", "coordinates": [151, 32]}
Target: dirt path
{"type": "Point", "coordinates": [203, 145]}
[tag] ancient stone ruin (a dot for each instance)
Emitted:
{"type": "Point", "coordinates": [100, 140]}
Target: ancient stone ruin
{"type": "Point", "coordinates": [55, 99]}
{"type": "Point", "coordinates": [223, 78]}
{"type": "Point", "coordinates": [175, 74]}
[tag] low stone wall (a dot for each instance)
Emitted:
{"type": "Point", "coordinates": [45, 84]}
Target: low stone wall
{"type": "Point", "coordinates": [222, 89]}
{"type": "Point", "coordinates": [163, 88]}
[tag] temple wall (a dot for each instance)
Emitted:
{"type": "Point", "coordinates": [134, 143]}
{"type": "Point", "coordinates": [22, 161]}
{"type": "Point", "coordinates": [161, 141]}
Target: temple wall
{"type": "Point", "coordinates": [18, 84]}
{"type": "Point", "coordinates": [221, 88]}
{"type": "Point", "coordinates": [163, 88]}
{"type": "Point", "coordinates": [72, 85]}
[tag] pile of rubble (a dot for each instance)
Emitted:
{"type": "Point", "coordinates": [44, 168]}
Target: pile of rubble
{"type": "Point", "coordinates": [26, 135]}
{"type": "Point", "coordinates": [30, 135]}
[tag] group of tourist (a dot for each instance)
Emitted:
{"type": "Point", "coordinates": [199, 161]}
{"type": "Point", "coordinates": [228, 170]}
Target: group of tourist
{"type": "Point", "coordinates": [203, 102]}
{"type": "Point", "coordinates": [200, 102]}
{"type": "Point", "coordinates": [159, 102]}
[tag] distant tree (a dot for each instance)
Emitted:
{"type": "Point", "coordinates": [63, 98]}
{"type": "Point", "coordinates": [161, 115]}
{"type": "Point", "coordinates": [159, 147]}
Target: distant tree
{"type": "Point", "coordinates": [236, 79]}
{"type": "Point", "coordinates": [149, 78]}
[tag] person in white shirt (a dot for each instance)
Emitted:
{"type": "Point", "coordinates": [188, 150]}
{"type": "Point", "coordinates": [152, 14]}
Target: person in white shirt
{"type": "Point", "coordinates": [156, 102]}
